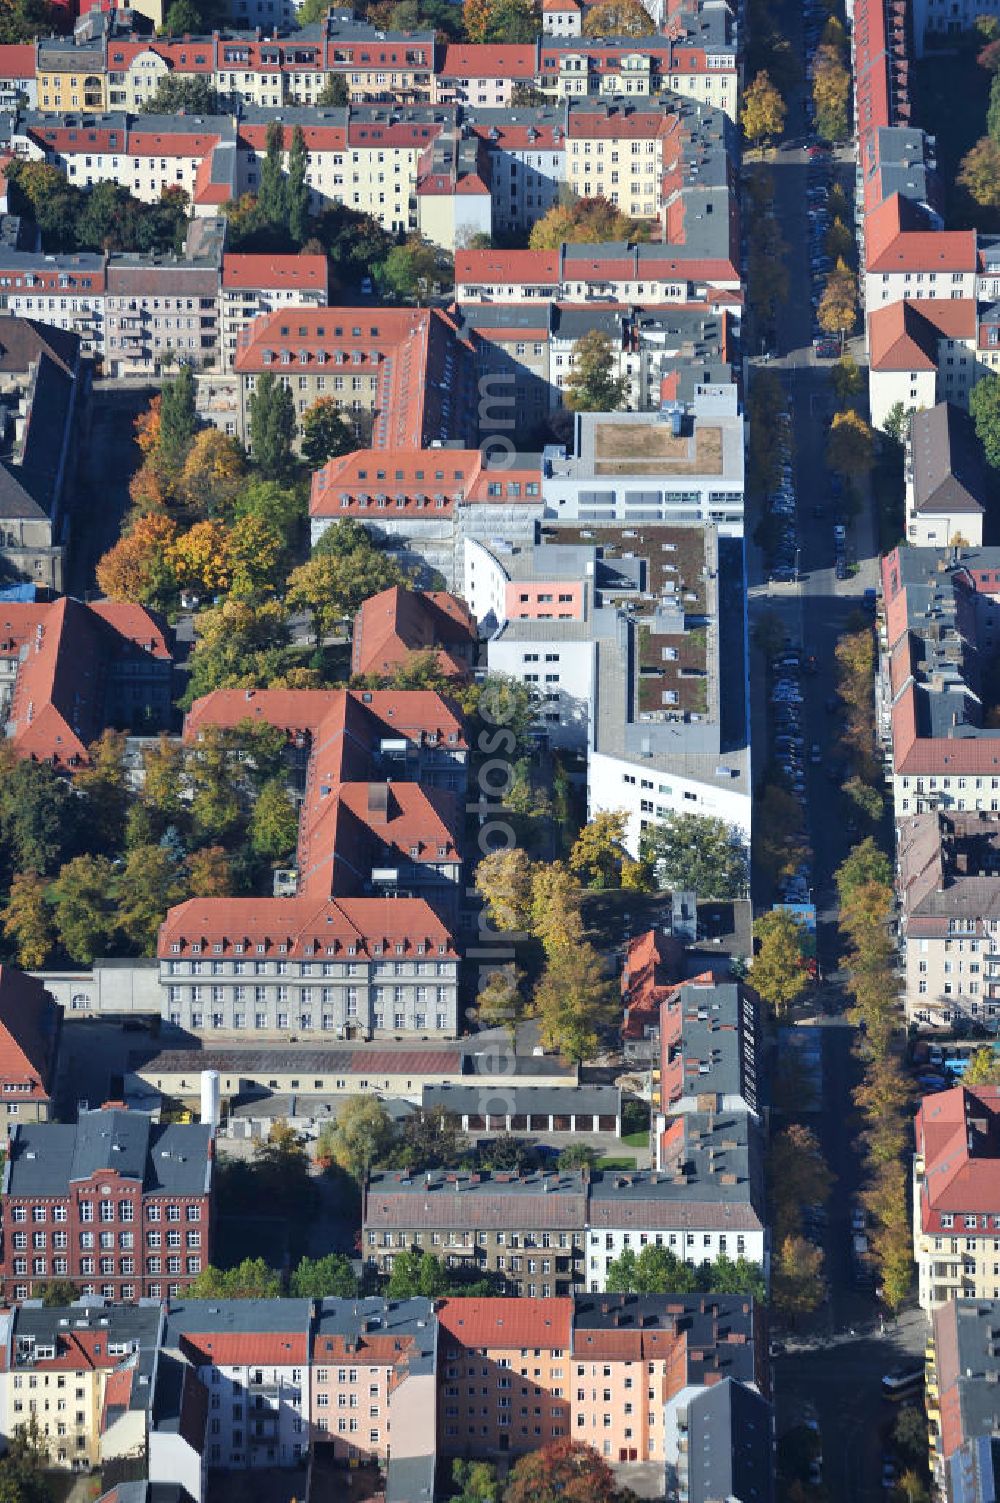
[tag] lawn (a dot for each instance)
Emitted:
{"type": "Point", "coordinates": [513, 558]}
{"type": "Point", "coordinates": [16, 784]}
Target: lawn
{"type": "Point", "coordinates": [648, 449]}
{"type": "Point", "coordinates": [636, 1140]}
{"type": "Point", "coordinates": [615, 1161]}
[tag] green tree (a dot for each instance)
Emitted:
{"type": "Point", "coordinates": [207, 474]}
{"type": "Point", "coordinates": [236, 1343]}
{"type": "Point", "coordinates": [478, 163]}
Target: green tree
{"type": "Point", "coordinates": [335, 92]}
{"type": "Point", "coordinates": [83, 896]}
{"type": "Point", "coordinates": [183, 18]}
{"type": "Point", "coordinates": [475, 1482]}
{"type": "Point", "coordinates": [332, 587]}
{"type": "Point", "coordinates": [779, 973]}
{"type": "Point", "coordinates": [846, 379]}
{"type": "Point", "coordinates": [984, 404]}
{"type": "Point", "coordinates": [361, 1135]}
{"type": "Point", "coordinates": [591, 385]}
{"type": "Point", "coordinates": [416, 1273]}
{"type": "Point", "coordinates": [850, 450]}
{"type": "Point", "coordinates": [274, 824]}
{"type": "Point", "coordinates": [896, 423]}
{"type": "Point", "coordinates": [410, 270]}
{"type": "Point", "coordinates": [58, 1293]}
{"type": "Point", "coordinates": [103, 789]}
{"type": "Point", "coordinates": [798, 1285]}
{"type": "Point", "coordinates": [979, 172]}
{"type": "Point", "coordinates": [272, 194]}
{"type": "Point", "coordinates": [27, 920]}
{"type": "Point", "coordinates": [578, 1156]}
{"type": "Point", "coordinates": [573, 1001]}
{"type": "Point", "coordinates": [838, 306]}
{"type": "Point", "coordinates": [983, 1068]}
{"type": "Point", "coordinates": [297, 191]}
{"type": "Point", "coordinates": [272, 426]}
{"type": "Point", "coordinates": [319, 1278]}
{"type": "Point", "coordinates": [177, 94]}
{"type": "Point", "coordinates": [798, 1176]}
{"type": "Point", "coordinates": [326, 433]}
{"type": "Point", "coordinates": [697, 853]}
{"type": "Point", "coordinates": [599, 849]}
{"type": "Point", "coordinates": [864, 863]}
{"type": "Point", "coordinates": [148, 885]}
{"type": "Point", "coordinates": [178, 417]}
{"type": "Point", "coordinates": [251, 1279]}
{"type": "Point", "coordinates": [40, 815]}
{"type": "Point", "coordinates": [430, 1138]}
{"type": "Point", "coordinates": [763, 112]}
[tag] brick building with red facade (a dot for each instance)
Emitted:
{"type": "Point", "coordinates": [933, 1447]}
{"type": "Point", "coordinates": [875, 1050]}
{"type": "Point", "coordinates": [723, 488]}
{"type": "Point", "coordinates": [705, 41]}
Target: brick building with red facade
{"type": "Point", "coordinates": [118, 1204]}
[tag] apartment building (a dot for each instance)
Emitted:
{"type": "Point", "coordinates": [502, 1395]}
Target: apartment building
{"type": "Point", "coordinates": [30, 1026]}
{"type": "Point", "coordinates": [956, 1212]}
{"type": "Point", "coordinates": [83, 1375]}
{"type": "Point", "coordinates": [709, 1052]}
{"type": "Point", "coordinates": [948, 866]}
{"type": "Point", "coordinates": [938, 632]}
{"type": "Point", "coordinates": [252, 1359]}
{"type": "Point", "coordinates": [117, 1204]}
{"type": "Point", "coordinates": [69, 670]}
{"type": "Point", "coordinates": [529, 1229]}
{"type": "Point", "coordinates": [662, 354]}
{"type": "Point", "coordinates": [948, 487]}
{"type": "Point", "coordinates": [961, 1396]}
{"type": "Point", "coordinates": [557, 1232]}
{"type": "Point", "coordinates": [922, 353]}
{"type": "Point", "coordinates": [373, 1381]}
{"type": "Point", "coordinates": [234, 1385]}
{"type": "Point", "coordinates": [907, 256]}
{"type": "Point", "coordinates": [43, 390]}
{"type": "Point", "coordinates": [705, 1201]}
{"type": "Point", "coordinates": [269, 60]}
{"type": "Point", "coordinates": [616, 1371]}
{"type": "Point", "coordinates": [406, 368]}
{"type": "Point", "coordinates": [139, 314]}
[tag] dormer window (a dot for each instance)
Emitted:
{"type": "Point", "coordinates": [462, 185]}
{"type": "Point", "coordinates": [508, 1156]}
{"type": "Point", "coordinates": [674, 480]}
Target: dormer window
{"type": "Point", "coordinates": [399, 949]}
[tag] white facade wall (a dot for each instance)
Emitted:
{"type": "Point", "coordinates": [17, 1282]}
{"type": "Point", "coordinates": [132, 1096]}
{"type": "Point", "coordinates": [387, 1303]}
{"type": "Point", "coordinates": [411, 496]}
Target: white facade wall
{"type": "Point", "coordinates": [562, 675]}
{"type": "Point", "coordinates": [257, 1416]}
{"type": "Point", "coordinates": [649, 793]}
{"type": "Point", "coordinates": [915, 389]}
{"type": "Point", "coordinates": [695, 1245]}
{"type": "Point", "coordinates": [883, 288]}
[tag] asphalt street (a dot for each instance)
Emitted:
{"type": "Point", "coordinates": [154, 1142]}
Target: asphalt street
{"type": "Point", "coordinates": [837, 1368]}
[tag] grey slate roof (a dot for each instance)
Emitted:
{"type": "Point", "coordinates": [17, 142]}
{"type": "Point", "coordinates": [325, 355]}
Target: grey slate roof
{"type": "Point", "coordinates": [263, 1317]}
{"type": "Point", "coordinates": [46, 1157]}
{"type": "Point", "coordinates": [949, 473]}
{"type": "Point", "coordinates": [729, 1445]}
{"type": "Point", "coordinates": [356, 1318]}
{"type": "Point", "coordinates": [556, 1100]}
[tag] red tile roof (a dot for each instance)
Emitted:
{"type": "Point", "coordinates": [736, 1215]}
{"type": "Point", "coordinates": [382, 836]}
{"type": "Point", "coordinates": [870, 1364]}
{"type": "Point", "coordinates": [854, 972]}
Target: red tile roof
{"type": "Point", "coordinates": [245, 1348]}
{"type": "Point", "coordinates": [904, 335]}
{"type": "Point", "coordinates": [28, 1032]}
{"type": "Point", "coordinates": [505, 1324]}
{"type": "Point", "coordinates": [305, 926]}
{"type": "Point", "coordinates": [395, 623]}
{"type": "Point", "coordinates": [282, 273]}
{"type": "Point", "coordinates": [958, 1136]}
{"type": "Point", "coordinates": [898, 238]}
{"type": "Point", "coordinates": [490, 60]}
{"type": "Point", "coordinates": [57, 707]}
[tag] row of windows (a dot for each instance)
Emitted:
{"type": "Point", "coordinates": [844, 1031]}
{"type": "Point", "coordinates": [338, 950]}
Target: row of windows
{"type": "Point", "coordinates": [106, 1211]}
